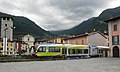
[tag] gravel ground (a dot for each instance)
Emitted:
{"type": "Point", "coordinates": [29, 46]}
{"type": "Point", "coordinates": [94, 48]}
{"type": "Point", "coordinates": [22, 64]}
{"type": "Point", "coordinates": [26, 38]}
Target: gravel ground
{"type": "Point", "coordinates": [78, 65]}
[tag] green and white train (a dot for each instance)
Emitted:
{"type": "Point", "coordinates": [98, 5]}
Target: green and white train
{"type": "Point", "coordinates": [62, 50]}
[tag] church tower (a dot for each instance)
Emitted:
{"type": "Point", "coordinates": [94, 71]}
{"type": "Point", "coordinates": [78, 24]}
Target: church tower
{"type": "Point", "coordinates": [6, 28]}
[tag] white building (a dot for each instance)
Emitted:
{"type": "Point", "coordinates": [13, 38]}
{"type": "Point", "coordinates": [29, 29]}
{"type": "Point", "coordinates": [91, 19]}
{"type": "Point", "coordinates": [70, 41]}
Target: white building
{"type": "Point", "coordinates": [28, 42]}
{"type": "Point", "coordinates": [97, 38]}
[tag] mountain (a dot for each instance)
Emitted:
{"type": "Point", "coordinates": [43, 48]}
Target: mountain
{"type": "Point", "coordinates": [94, 23]}
{"type": "Point", "coordinates": [26, 26]}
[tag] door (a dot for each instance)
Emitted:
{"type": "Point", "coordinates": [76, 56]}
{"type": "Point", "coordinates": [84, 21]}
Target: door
{"type": "Point", "coordinates": [115, 51]}
{"type": "Point", "coordinates": [64, 51]}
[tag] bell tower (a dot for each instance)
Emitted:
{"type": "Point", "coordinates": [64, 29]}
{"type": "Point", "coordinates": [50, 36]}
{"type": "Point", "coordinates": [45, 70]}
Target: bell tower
{"type": "Point", "coordinates": [6, 28]}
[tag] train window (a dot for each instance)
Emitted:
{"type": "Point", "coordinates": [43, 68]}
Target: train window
{"type": "Point", "coordinates": [53, 49]}
{"type": "Point", "coordinates": [68, 51]}
{"type": "Point", "coordinates": [42, 49]}
{"type": "Point", "coordinates": [77, 51]}
{"type": "Point", "coordinates": [57, 49]}
{"type": "Point", "coordinates": [73, 51]}
{"type": "Point", "coordinates": [85, 51]}
{"type": "Point", "coordinates": [80, 51]}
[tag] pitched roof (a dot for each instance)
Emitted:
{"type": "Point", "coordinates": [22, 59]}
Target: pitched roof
{"type": "Point", "coordinates": [88, 34]}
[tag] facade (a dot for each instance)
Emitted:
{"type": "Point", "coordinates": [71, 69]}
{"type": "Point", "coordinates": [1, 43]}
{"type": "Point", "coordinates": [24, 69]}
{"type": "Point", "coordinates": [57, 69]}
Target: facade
{"type": "Point", "coordinates": [114, 36]}
{"type": "Point", "coordinates": [97, 39]}
{"type": "Point", "coordinates": [78, 40]}
{"type": "Point", "coordinates": [94, 38]}
{"type": "Point", "coordinates": [58, 39]}
{"type": "Point", "coordinates": [28, 42]}
{"type": "Point", "coordinates": [10, 48]}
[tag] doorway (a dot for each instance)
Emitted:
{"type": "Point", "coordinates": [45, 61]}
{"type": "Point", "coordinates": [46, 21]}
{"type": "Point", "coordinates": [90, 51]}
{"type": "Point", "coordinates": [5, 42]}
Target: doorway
{"type": "Point", "coordinates": [116, 51]}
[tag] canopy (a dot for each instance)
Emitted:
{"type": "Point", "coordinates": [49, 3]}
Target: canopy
{"type": "Point", "coordinates": [103, 47]}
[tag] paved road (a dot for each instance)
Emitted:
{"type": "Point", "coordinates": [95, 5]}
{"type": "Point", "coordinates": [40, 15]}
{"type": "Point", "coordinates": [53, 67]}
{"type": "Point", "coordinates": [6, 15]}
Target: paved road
{"type": "Point", "coordinates": [80, 65]}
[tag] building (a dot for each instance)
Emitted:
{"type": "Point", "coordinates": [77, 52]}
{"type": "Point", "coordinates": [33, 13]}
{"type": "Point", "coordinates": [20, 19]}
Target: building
{"type": "Point", "coordinates": [58, 39]}
{"type": "Point", "coordinates": [78, 40]}
{"type": "Point", "coordinates": [6, 32]}
{"type": "Point", "coordinates": [114, 36]}
{"type": "Point", "coordinates": [23, 43]}
{"type": "Point", "coordinates": [10, 45]}
{"type": "Point", "coordinates": [97, 38]}
{"type": "Point", "coordinates": [10, 48]}
{"type": "Point", "coordinates": [94, 38]}
{"type": "Point", "coordinates": [28, 41]}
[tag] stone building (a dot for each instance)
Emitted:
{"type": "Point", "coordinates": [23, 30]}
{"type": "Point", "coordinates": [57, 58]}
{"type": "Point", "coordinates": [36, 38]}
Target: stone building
{"type": "Point", "coordinates": [7, 28]}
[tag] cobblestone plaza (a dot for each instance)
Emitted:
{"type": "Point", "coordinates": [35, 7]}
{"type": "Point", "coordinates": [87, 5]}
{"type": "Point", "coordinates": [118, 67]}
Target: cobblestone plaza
{"type": "Point", "coordinates": [78, 65]}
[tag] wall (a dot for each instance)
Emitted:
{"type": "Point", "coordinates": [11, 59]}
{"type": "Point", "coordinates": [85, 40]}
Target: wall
{"type": "Point", "coordinates": [97, 39]}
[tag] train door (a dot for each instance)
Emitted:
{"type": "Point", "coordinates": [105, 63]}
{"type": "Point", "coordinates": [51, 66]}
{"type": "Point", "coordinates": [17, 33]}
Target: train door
{"type": "Point", "coordinates": [64, 51]}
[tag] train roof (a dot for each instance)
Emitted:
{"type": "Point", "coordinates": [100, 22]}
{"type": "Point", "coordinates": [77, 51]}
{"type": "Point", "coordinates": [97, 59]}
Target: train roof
{"type": "Point", "coordinates": [78, 46]}
{"type": "Point", "coordinates": [64, 45]}
{"type": "Point", "coordinates": [53, 44]}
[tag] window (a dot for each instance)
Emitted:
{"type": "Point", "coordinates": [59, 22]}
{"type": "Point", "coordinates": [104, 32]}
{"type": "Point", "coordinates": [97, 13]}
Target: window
{"type": "Point", "coordinates": [70, 41]}
{"type": "Point", "coordinates": [28, 39]}
{"type": "Point", "coordinates": [10, 52]}
{"type": "Point", "coordinates": [80, 51]}
{"type": "Point", "coordinates": [73, 51]}
{"type": "Point", "coordinates": [61, 41]}
{"type": "Point", "coordinates": [5, 25]}
{"type": "Point", "coordinates": [57, 49]}
{"type": "Point", "coordinates": [115, 27]}
{"type": "Point", "coordinates": [42, 49]}
{"type": "Point", "coordinates": [53, 49]}
{"type": "Point", "coordinates": [82, 42]}
{"type": "Point", "coordinates": [115, 40]}
{"type": "Point", "coordinates": [85, 51]}
{"type": "Point", "coordinates": [70, 51]}
{"type": "Point", "coordinates": [77, 42]}
{"type": "Point", "coordinates": [8, 18]}
{"type": "Point", "coordinates": [4, 18]}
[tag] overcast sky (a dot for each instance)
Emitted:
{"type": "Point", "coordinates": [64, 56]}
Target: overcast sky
{"type": "Point", "coordinates": [57, 14]}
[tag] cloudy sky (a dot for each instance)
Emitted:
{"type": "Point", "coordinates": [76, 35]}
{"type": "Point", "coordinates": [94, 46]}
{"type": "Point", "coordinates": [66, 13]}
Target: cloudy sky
{"type": "Point", "coordinates": [57, 14]}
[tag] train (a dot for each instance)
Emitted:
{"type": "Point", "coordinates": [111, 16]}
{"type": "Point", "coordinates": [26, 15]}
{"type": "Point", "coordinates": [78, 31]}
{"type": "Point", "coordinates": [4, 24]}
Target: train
{"type": "Point", "coordinates": [51, 50]}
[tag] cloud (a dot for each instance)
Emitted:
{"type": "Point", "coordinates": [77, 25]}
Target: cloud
{"type": "Point", "coordinates": [54, 14]}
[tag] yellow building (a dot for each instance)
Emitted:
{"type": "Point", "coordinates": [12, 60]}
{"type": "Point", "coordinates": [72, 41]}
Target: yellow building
{"type": "Point", "coordinates": [10, 48]}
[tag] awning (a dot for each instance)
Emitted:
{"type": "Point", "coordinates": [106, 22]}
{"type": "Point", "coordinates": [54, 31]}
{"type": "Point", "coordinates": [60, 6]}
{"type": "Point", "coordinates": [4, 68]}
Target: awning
{"type": "Point", "coordinates": [103, 47]}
